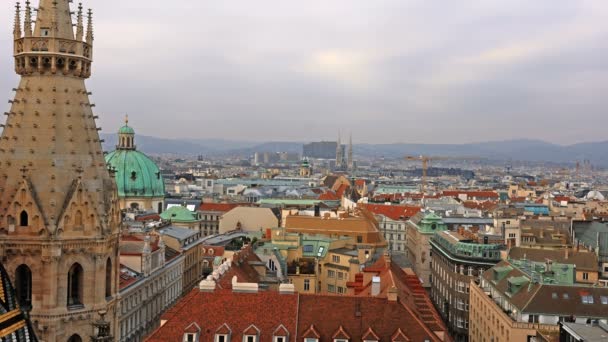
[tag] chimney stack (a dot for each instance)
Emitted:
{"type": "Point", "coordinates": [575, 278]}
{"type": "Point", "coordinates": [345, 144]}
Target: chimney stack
{"type": "Point", "coordinates": [206, 285]}
{"type": "Point", "coordinates": [287, 289]}
{"type": "Point", "coordinates": [376, 286]}
{"type": "Point", "coordinates": [392, 294]}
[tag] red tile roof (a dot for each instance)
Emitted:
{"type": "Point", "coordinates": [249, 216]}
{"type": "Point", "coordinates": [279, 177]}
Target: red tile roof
{"type": "Point", "coordinates": [267, 311]}
{"type": "Point", "coordinates": [394, 212]}
{"type": "Point", "coordinates": [221, 207]}
{"type": "Point", "coordinates": [341, 190]}
{"type": "Point", "coordinates": [329, 196]}
{"type": "Point", "coordinates": [353, 316]}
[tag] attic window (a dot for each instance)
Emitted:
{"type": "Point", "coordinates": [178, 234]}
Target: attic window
{"type": "Point", "coordinates": [133, 175]}
{"type": "Point", "coordinates": [190, 337]}
{"type": "Point", "coordinates": [221, 338]}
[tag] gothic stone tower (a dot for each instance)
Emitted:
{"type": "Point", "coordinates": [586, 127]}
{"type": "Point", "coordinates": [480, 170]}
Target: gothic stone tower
{"type": "Point", "coordinates": [59, 216]}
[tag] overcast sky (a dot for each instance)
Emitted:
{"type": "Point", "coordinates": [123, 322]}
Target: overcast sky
{"type": "Point", "coordinates": [388, 70]}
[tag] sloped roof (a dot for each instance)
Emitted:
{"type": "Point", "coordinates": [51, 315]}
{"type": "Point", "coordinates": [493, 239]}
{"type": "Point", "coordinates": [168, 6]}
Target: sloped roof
{"type": "Point", "coordinates": [394, 212]}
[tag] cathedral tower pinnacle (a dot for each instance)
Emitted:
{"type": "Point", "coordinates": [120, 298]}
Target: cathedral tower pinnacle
{"type": "Point", "coordinates": [59, 212]}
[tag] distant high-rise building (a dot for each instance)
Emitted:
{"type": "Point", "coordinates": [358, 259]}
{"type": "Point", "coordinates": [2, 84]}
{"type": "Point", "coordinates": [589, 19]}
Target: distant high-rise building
{"type": "Point", "coordinates": [320, 150]}
{"type": "Point", "coordinates": [59, 210]}
{"type": "Point", "coordinates": [350, 161]}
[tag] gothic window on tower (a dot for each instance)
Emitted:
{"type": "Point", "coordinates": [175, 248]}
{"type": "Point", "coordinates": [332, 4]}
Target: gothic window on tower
{"type": "Point", "coordinates": [109, 278]}
{"type": "Point", "coordinates": [23, 287]}
{"type": "Point", "coordinates": [45, 31]}
{"type": "Point", "coordinates": [78, 219]}
{"type": "Point", "coordinates": [75, 338]}
{"type": "Point", "coordinates": [75, 280]}
{"type": "Point", "coordinates": [24, 219]}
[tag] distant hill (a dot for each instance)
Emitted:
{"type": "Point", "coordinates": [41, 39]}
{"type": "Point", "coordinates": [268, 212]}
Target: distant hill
{"type": "Point", "coordinates": [516, 150]}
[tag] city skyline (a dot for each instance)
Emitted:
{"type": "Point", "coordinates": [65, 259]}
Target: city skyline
{"type": "Point", "coordinates": [417, 72]}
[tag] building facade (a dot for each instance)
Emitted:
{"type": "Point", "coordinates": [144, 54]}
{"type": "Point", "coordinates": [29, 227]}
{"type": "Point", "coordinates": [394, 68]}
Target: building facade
{"type": "Point", "coordinates": [421, 228]}
{"type": "Point", "coordinates": [59, 212]}
{"type": "Point", "coordinates": [518, 299]}
{"type": "Point", "coordinates": [151, 281]}
{"type": "Point", "coordinates": [456, 260]}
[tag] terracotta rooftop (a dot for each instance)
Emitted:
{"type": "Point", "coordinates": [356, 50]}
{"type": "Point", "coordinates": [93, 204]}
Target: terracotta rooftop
{"type": "Point", "coordinates": [394, 212]}
{"type": "Point", "coordinates": [221, 207]}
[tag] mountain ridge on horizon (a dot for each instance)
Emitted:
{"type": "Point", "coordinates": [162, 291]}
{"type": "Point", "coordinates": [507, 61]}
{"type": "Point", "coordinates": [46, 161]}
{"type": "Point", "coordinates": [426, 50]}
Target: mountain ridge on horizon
{"type": "Point", "coordinates": [532, 150]}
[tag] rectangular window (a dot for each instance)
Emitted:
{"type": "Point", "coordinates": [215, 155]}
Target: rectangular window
{"type": "Point", "coordinates": [587, 299]}
{"type": "Point", "coordinates": [221, 338]}
{"type": "Point", "coordinates": [341, 290]}
{"type": "Point", "coordinates": [279, 339]}
{"type": "Point", "coordinates": [533, 319]}
{"type": "Point", "coordinates": [340, 275]}
{"type": "Point", "coordinates": [190, 338]}
{"type": "Point", "coordinates": [308, 248]}
{"type": "Point", "coordinates": [585, 276]}
{"type": "Point", "coordinates": [604, 300]}
{"type": "Point", "coordinates": [331, 288]}
{"type": "Point", "coordinates": [335, 258]}
{"type": "Point", "coordinates": [306, 284]}
{"type": "Point", "coordinates": [250, 338]}
{"type": "Point", "coordinates": [331, 273]}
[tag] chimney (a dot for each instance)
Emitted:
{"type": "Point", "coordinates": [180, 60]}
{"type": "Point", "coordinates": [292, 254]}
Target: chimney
{"type": "Point", "coordinates": [206, 285]}
{"type": "Point", "coordinates": [376, 286]}
{"type": "Point", "coordinates": [392, 294]}
{"type": "Point", "coordinates": [287, 289]}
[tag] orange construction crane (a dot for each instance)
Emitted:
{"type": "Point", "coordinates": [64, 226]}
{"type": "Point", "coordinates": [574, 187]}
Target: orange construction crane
{"type": "Point", "coordinates": [425, 164]}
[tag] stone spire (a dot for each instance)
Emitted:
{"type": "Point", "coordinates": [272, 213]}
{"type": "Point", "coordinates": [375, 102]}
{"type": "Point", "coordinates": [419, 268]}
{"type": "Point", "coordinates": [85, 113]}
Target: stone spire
{"type": "Point", "coordinates": [54, 20]}
{"type": "Point", "coordinates": [17, 27]}
{"type": "Point", "coordinates": [28, 19]}
{"type": "Point", "coordinates": [90, 27]}
{"type": "Point", "coordinates": [79, 24]}
{"type": "Point", "coordinates": [56, 194]}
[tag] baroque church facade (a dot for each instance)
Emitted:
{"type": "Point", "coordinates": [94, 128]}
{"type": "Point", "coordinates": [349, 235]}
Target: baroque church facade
{"type": "Point", "coordinates": [59, 210]}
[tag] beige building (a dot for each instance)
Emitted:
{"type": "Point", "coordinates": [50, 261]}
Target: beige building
{"type": "Point", "coordinates": [248, 219]}
{"type": "Point", "coordinates": [420, 229]}
{"type": "Point", "coordinates": [59, 211]}
{"type": "Point", "coordinates": [362, 228]}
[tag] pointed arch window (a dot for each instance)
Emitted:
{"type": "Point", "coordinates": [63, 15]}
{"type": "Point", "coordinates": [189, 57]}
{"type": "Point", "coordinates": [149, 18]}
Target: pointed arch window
{"type": "Point", "coordinates": [109, 278]}
{"type": "Point", "coordinates": [23, 287]}
{"type": "Point", "coordinates": [75, 338]}
{"type": "Point", "coordinates": [24, 219]}
{"type": "Point", "coordinates": [75, 285]}
{"type": "Point", "coordinates": [78, 219]}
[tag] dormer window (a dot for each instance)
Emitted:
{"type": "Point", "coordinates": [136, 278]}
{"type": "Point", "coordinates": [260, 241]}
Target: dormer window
{"type": "Point", "coordinates": [250, 338]}
{"type": "Point", "coordinates": [311, 340]}
{"type": "Point", "coordinates": [280, 339]}
{"type": "Point", "coordinates": [221, 338]}
{"type": "Point", "coordinates": [190, 337]}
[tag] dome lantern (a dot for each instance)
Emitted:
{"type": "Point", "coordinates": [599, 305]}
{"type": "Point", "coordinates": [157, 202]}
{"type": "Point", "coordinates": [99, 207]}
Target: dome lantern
{"type": "Point", "coordinates": [126, 137]}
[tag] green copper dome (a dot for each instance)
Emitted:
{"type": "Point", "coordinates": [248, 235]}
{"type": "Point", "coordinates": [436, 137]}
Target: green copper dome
{"type": "Point", "coordinates": [126, 129]}
{"type": "Point", "coordinates": [136, 174]}
{"type": "Point", "coordinates": [179, 214]}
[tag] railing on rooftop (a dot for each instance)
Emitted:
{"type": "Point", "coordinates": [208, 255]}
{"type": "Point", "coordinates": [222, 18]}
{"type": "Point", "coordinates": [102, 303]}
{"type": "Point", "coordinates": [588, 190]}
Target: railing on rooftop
{"type": "Point", "coordinates": [469, 249]}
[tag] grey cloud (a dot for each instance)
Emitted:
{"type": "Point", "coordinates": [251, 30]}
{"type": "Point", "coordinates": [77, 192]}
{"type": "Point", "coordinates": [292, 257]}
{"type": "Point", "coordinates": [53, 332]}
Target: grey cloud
{"type": "Point", "coordinates": [388, 70]}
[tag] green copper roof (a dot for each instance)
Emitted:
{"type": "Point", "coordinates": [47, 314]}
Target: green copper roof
{"type": "Point", "coordinates": [431, 224]}
{"type": "Point", "coordinates": [126, 129]}
{"type": "Point", "coordinates": [136, 174]}
{"type": "Point", "coordinates": [179, 214]}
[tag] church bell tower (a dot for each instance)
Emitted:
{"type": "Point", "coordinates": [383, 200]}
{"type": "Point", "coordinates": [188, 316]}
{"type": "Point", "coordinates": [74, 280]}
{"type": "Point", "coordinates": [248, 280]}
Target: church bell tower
{"type": "Point", "coordinates": [59, 216]}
